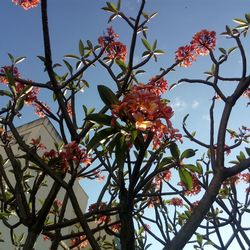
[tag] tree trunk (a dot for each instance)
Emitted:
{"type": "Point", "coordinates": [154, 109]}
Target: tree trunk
{"type": "Point", "coordinates": [127, 224]}
{"type": "Point", "coordinates": [188, 230]}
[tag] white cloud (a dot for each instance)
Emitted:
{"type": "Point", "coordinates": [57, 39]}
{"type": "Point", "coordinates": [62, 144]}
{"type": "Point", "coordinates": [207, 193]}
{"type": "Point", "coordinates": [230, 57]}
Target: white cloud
{"type": "Point", "coordinates": [178, 105]}
{"type": "Point", "coordinates": [195, 104]}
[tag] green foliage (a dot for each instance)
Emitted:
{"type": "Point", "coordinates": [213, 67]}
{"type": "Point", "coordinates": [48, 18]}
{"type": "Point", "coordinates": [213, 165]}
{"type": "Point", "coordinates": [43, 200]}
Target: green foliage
{"type": "Point", "coordinates": [107, 95]}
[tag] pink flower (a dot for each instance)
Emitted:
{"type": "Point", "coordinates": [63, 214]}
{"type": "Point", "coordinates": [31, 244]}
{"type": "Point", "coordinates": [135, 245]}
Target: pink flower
{"type": "Point", "coordinates": [45, 237]}
{"type": "Point", "coordinates": [246, 93]}
{"type": "Point", "coordinates": [185, 55]}
{"type": "Point", "coordinates": [11, 70]}
{"type": "Point", "coordinates": [107, 38]}
{"type": "Point", "coordinates": [193, 206]}
{"type": "Point", "coordinates": [37, 144]}
{"type": "Point", "coordinates": [245, 177]}
{"type": "Point", "coordinates": [116, 50]}
{"type": "Point", "coordinates": [167, 175]}
{"type": "Point", "coordinates": [100, 217]}
{"type": "Point", "coordinates": [116, 228]}
{"type": "Point", "coordinates": [143, 107]}
{"type": "Point", "coordinates": [204, 41]}
{"type": "Point", "coordinates": [26, 4]}
{"type": "Point", "coordinates": [152, 201]}
{"type": "Point", "coordinates": [57, 203]}
{"type": "Point", "coordinates": [232, 180]}
{"type": "Point", "coordinates": [177, 202]}
{"type": "Point", "coordinates": [70, 152]}
{"type": "Point", "coordinates": [201, 44]}
{"type": "Point", "coordinates": [196, 186]}
{"type": "Point", "coordinates": [79, 242]}
{"type": "Point", "coordinates": [31, 95]}
{"type": "Point", "coordinates": [113, 48]}
{"type": "Point", "coordinates": [41, 109]}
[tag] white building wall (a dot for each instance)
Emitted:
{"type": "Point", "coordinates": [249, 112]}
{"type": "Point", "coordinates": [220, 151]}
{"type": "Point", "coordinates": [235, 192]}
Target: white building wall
{"type": "Point", "coordinates": [44, 129]}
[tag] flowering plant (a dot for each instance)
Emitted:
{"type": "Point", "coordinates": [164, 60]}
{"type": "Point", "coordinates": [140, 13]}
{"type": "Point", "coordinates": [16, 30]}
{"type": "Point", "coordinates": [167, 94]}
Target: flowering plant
{"type": "Point", "coordinates": [133, 147]}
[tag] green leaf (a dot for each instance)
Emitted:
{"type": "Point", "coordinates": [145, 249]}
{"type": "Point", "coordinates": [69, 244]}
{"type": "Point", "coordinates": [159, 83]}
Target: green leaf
{"type": "Point", "coordinates": [42, 58]}
{"type": "Point", "coordinates": [90, 45]}
{"type": "Point", "coordinates": [145, 54]}
{"type": "Point", "coordinates": [121, 64]}
{"type": "Point", "coordinates": [247, 16]}
{"type": "Point", "coordinates": [20, 104]}
{"type": "Point", "coordinates": [100, 119]}
{"type": "Point", "coordinates": [186, 178]}
{"type": "Point", "coordinates": [248, 151]}
{"type": "Point", "coordinates": [72, 56]}
{"type": "Point", "coordinates": [159, 52]}
{"type": "Point", "coordinates": [68, 66]}
{"type": "Point", "coordinates": [98, 137]}
{"type": "Point", "coordinates": [146, 44]}
{"type": "Point", "coordinates": [241, 156]}
{"type": "Point", "coordinates": [107, 95]}
{"type": "Point", "coordinates": [107, 9]}
{"type": "Point", "coordinates": [245, 26]}
{"type": "Point", "coordinates": [20, 59]}
{"type": "Point", "coordinates": [79, 65]}
{"type": "Point", "coordinates": [120, 152]}
{"type": "Point", "coordinates": [191, 167]}
{"type": "Point", "coordinates": [4, 215]}
{"type": "Point", "coordinates": [188, 153]}
{"type": "Point", "coordinates": [232, 50]}
{"type": "Point", "coordinates": [154, 45]}
{"type": "Point", "coordinates": [153, 15]}
{"type": "Point", "coordinates": [113, 142]}
{"type": "Point", "coordinates": [239, 21]}
{"type": "Point", "coordinates": [145, 15]}
{"type": "Point", "coordinates": [5, 93]}
{"type": "Point", "coordinates": [12, 59]}
{"type": "Point", "coordinates": [111, 6]}
{"type": "Point", "coordinates": [118, 4]}
{"type": "Point", "coordinates": [175, 152]}
{"type": "Point", "coordinates": [223, 51]}
{"type": "Point", "coordinates": [139, 72]}
{"type": "Point", "coordinates": [165, 161]}
{"type": "Point", "coordinates": [199, 168]}
{"type": "Point", "coordinates": [199, 239]}
{"type": "Point", "coordinates": [112, 17]}
{"type": "Point", "coordinates": [81, 48]}
{"type": "Point", "coordinates": [229, 31]}
{"type": "Point", "coordinates": [57, 65]}
{"type": "Point", "coordinates": [213, 69]}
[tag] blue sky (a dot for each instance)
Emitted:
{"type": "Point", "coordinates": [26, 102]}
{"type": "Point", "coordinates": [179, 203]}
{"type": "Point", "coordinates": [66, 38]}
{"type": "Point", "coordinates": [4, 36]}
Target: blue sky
{"type": "Point", "coordinates": [177, 21]}
{"type": "Point", "coordinates": [174, 26]}
{"type": "Point", "coordinates": [72, 20]}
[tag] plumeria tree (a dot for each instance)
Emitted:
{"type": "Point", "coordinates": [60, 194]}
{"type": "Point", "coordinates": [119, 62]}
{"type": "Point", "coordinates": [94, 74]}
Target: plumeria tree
{"type": "Point", "coordinates": [151, 189]}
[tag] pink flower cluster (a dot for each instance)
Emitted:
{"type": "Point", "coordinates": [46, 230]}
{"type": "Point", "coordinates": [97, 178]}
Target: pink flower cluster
{"type": "Point", "coordinates": [37, 144]}
{"type": "Point", "coordinates": [177, 202]}
{"type": "Point", "coordinates": [79, 242]}
{"type": "Point", "coordinates": [164, 176]}
{"type": "Point", "coordinates": [26, 4]}
{"type": "Point", "coordinates": [30, 98]}
{"type": "Point", "coordinates": [113, 48]}
{"type": "Point", "coordinates": [100, 217]}
{"type": "Point", "coordinates": [143, 108]}
{"type": "Point", "coordinates": [11, 70]}
{"type": "Point", "coordinates": [201, 44]}
{"type": "Point", "coordinates": [70, 152]}
{"type": "Point", "coordinates": [196, 186]}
